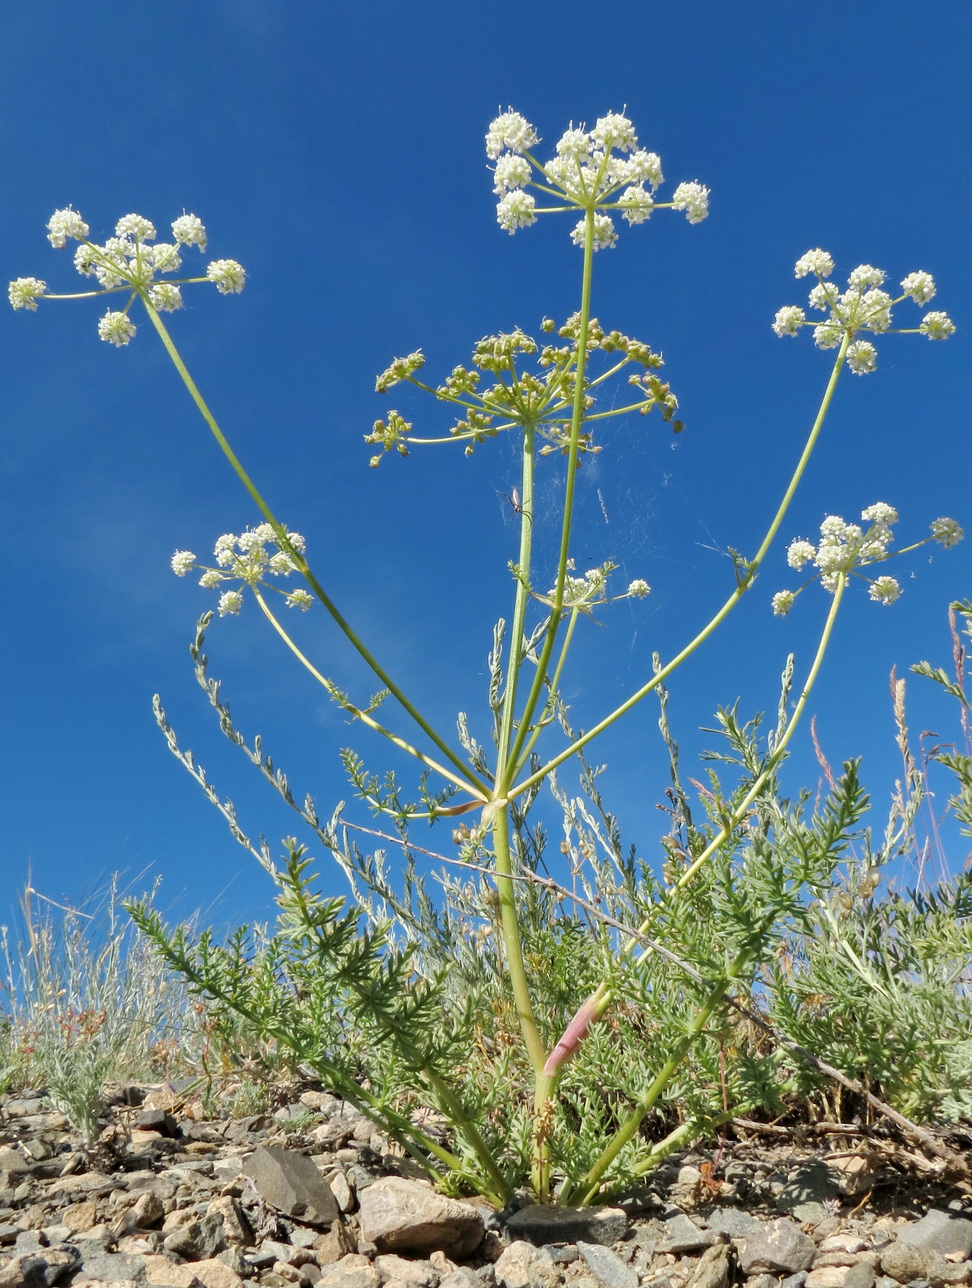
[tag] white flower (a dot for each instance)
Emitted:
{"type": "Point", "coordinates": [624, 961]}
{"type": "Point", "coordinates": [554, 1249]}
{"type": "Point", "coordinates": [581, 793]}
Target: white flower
{"type": "Point", "coordinates": [223, 549]}
{"type": "Point", "coordinates": [64, 224]}
{"type": "Point", "coordinates": [861, 357]}
{"type": "Point", "coordinates": [299, 599]}
{"type": "Point", "coordinates": [937, 326]}
{"type": "Point", "coordinates": [281, 563]}
{"type": "Point", "coordinates": [643, 167]}
{"type": "Point", "coordinates": [920, 286]}
{"type": "Point", "coordinates": [24, 292]}
{"type": "Point", "coordinates": [824, 296]}
{"type": "Point", "coordinates": [693, 199]}
{"type": "Point", "coordinates": [638, 588]}
{"type": "Point", "coordinates": [297, 541]}
{"type": "Point", "coordinates": [865, 275]}
{"type": "Point", "coordinates": [230, 601]}
{"type": "Point", "coordinates": [947, 532]}
{"type": "Point", "coordinates": [516, 210]}
{"type": "Point", "coordinates": [211, 578]}
{"type": "Point", "coordinates": [189, 231]}
{"type": "Point", "coordinates": [136, 227]}
{"type": "Point", "coordinates": [511, 172]}
{"type": "Point", "coordinates": [788, 320]}
{"type": "Point", "coordinates": [228, 275]}
{"type": "Point", "coordinates": [182, 562]}
{"type": "Point", "coordinates": [783, 602]}
{"type": "Point", "coordinates": [165, 257]}
{"type": "Point", "coordinates": [884, 590]}
{"type": "Point", "coordinates": [799, 553]}
{"type": "Point", "coordinates": [636, 204]}
{"type": "Point", "coordinates": [510, 130]}
{"type": "Point", "coordinates": [116, 329]}
{"type": "Point", "coordinates": [604, 231]}
{"type": "Point", "coordinates": [165, 297]}
{"type": "Point", "coordinates": [881, 513]}
{"type": "Point", "coordinates": [614, 131]}
{"type": "Point", "coordinates": [574, 144]}
{"type": "Point", "coordinates": [828, 335]}
{"type": "Point", "coordinates": [814, 261]}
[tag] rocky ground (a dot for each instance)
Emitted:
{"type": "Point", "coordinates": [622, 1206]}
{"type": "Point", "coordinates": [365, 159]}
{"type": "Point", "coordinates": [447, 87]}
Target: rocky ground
{"type": "Point", "coordinates": [311, 1195]}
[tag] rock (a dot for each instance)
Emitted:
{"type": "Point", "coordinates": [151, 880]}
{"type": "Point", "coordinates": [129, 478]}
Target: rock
{"type": "Point", "coordinates": [461, 1277]}
{"type": "Point", "coordinates": [214, 1273]}
{"type": "Point", "coordinates": [860, 1275]}
{"type": "Point", "coordinates": [807, 1186]}
{"type": "Point", "coordinates": [197, 1240]}
{"type": "Point", "coordinates": [714, 1268]}
{"type": "Point", "coordinates": [606, 1266]}
{"type": "Point", "coordinates": [160, 1272]}
{"type": "Point", "coordinates": [544, 1223]}
{"type": "Point", "coordinates": [826, 1277]}
{"type": "Point", "coordinates": [352, 1271]}
{"type": "Point", "coordinates": [903, 1262]}
{"type": "Point", "coordinates": [779, 1247]}
{"type": "Point", "coordinates": [683, 1235]}
{"type": "Point", "coordinates": [291, 1183]}
{"type": "Point", "coordinates": [236, 1228]}
{"type": "Point", "coordinates": [41, 1268]}
{"type": "Point", "coordinates": [946, 1234]}
{"type": "Point", "coordinates": [522, 1265]}
{"type": "Point", "coordinates": [732, 1222]}
{"type": "Point", "coordinates": [13, 1161]}
{"type": "Point", "coordinates": [420, 1273]}
{"type": "Point", "coordinates": [399, 1215]}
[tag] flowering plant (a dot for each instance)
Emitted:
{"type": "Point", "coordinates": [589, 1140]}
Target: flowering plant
{"type": "Point", "coordinates": [390, 972]}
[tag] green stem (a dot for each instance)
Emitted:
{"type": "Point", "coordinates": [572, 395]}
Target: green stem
{"type": "Point", "coordinates": [500, 823]}
{"type": "Point", "coordinates": [298, 558]}
{"type": "Point", "coordinates": [744, 584]}
{"type": "Point", "coordinates": [365, 718]}
{"type": "Point", "coordinates": [461, 1121]}
{"type": "Point", "coordinates": [588, 1186]}
{"type": "Point", "coordinates": [515, 659]}
{"type": "Point", "coordinates": [573, 453]}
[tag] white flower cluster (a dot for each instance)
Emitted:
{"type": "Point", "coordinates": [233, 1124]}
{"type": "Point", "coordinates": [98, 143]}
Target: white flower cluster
{"type": "Point", "coordinates": [130, 260]}
{"type": "Point", "coordinates": [864, 306]}
{"type": "Point", "coordinates": [844, 547]}
{"type": "Point", "coordinates": [587, 172]}
{"type": "Point", "coordinates": [245, 558]}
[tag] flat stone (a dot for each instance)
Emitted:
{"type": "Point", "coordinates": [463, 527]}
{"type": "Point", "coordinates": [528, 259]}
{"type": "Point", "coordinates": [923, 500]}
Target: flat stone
{"type": "Point", "coordinates": [946, 1234]}
{"type": "Point", "coordinates": [291, 1183]}
{"type": "Point", "coordinates": [606, 1266]}
{"type": "Point", "coordinates": [826, 1277]}
{"type": "Point", "coordinates": [544, 1223]}
{"type": "Point", "coordinates": [397, 1215]}
{"type": "Point", "coordinates": [683, 1235]}
{"type": "Point", "coordinates": [779, 1247]}
{"type": "Point", "coordinates": [13, 1161]}
{"type": "Point", "coordinates": [420, 1273]}
{"type": "Point", "coordinates": [733, 1222]}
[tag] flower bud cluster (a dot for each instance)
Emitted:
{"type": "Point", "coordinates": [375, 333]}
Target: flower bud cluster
{"type": "Point", "coordinates": [863, 306]}
{"type": "Point", "coordinates": [132, 260]}
{"type": "Point", "coordinates": [542, 399]}
{"type": "Point", "coordinates": [845, 547]}
{"type": "Point", "coordinates": [247, 559]}
{"type": "Point", "coordinates": [593, 171]}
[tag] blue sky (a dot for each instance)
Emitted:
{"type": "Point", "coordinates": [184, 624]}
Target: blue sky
{"type": "Point", "coordinates": [336, 151]}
